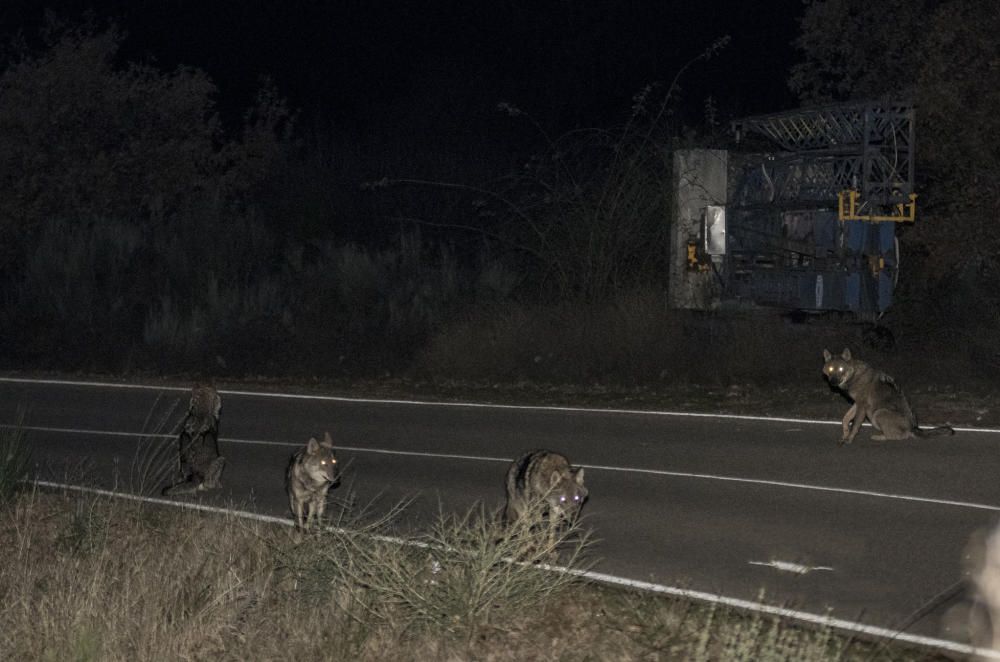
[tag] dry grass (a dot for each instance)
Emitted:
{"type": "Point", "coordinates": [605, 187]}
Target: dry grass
{"type": "Point", "coordinates": [14, 457]}
{"type": "Point", "coordinates": [94, 578]}
{"type": "Point", "coordinates": [632, 339]}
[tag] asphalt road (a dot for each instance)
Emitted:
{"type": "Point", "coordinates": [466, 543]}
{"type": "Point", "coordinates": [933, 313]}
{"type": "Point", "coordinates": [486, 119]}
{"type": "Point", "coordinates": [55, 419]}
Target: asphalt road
{"type": "Point", "coordinates": [700, 502]}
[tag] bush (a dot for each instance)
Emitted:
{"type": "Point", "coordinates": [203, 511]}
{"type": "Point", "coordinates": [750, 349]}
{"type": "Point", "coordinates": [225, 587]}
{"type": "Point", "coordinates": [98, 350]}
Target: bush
{"type": "Point", "coordinates": [126, 214]}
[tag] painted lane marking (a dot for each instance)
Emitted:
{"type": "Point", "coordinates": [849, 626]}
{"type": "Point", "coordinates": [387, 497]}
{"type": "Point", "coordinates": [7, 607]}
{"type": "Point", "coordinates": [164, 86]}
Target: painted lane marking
{"type": "Point", "coordinates": [467, 405]}
{"type": "Point", "coordinates": [598, 467]}
{"type": "Point", "coordinates": [788, 566]}
{"type": "Point", "coordinates": [804, 486]}
{"type": "Point", "coordinates": [822, 620]}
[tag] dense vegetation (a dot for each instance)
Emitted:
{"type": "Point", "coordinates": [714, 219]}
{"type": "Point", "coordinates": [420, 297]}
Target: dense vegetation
{"type": "Point", "coordinates": [139, 232]}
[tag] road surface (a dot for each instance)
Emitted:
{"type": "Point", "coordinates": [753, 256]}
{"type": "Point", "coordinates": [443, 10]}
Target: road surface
{"type": "Point", "coordinates": [727, 505]}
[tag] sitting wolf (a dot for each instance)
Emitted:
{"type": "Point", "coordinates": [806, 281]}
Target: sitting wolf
{"type": "Point", "coordinates": [542, 483]}
{"type": "Point", "coordinates": [200, 464]}
{"type": "Point", "coordinates": [876, 397]}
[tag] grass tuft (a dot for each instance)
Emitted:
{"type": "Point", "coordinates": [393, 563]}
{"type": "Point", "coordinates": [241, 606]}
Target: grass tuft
{"type": "Point", "coordinates": [15, 457]}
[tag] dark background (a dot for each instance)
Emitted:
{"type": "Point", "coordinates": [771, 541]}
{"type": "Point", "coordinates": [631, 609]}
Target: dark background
{"type": "Point", "coordinates": [398, 222]}
{"type": "Point", "coordinates": [442, 66]}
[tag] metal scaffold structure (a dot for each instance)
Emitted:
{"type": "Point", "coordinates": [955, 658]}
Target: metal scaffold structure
{"type": "Point", "coordinates": [802, 214]}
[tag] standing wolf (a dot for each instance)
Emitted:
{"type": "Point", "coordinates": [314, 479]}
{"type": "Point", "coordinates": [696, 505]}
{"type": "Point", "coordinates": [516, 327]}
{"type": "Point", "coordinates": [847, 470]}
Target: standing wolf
{"type": "Point", "coordinates": [876, 397]}
{"type": "Point", "coordinates": [200, 464]}
{"type": "Point", "coordinates": [542, 483]}
{"type": "Point", "coordinates": [311, 473]}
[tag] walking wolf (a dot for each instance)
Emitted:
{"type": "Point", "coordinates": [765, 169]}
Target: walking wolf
{"type": "Point", "coordinates": [875, 396]}
{"type": "Point", "coordinates": [311, 473]}
{"type": "Point", "coordinates": [541, 484]}
{"type": "Point", "coordinates": [199, 462]}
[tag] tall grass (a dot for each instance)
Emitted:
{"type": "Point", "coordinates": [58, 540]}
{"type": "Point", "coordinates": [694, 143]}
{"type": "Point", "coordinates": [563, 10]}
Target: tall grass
{"type": "Point", "coordinates": [465, 575]}
{"type": "Point", "coordinates": [99, 578]}
{"type": "Point", "coordinates": [93, 579]}
{"type": "Point", "coordinates": [96, 578]}
{"type": "Point", "coordinates": [102, 295]}
{"type": "Point", "coordinates": [15, 457]}
{"type": "Point", "coordinates": [632, 339]}
{"type": "Point", "coordinates": [155, 462]}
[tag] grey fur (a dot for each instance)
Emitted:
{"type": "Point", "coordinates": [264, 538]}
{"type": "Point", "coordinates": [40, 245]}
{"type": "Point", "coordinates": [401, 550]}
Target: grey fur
{"type": "Point", "coordinates": [875, 396]}
{"type": "Point", "coordinates": [200, 464]}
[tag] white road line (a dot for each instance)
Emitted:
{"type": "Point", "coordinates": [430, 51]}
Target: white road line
{"type": "Point", "coordinates": [803, 486]}
{"type": "Point", "coordinates": [822, 620]}
{"type": "Point", "coordinates": [598, 467]}
{"type": "Point", "coordinates": [467, 405]}
{"type": "Point", "coordinates": [789, 566]}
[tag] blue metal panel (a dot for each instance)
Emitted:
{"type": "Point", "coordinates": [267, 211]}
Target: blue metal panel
{"type": "Point", "coordinates": [884, 291]}
{"type": "Point", "coordinates": [836, 289]}
{"type": "Point", "coordinates": [812, 291]}
{"type": "Point", "coordinates": [886, 237]}
{"type": "Point", "coordinates": [852, 291]}
{"type": "Point", "coordinates": [854, 236]}
{"type": "Point", "coordinates": [827, 231]}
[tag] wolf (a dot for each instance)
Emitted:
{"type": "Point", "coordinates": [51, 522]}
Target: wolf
{"type": "Point", "coordinates": [981, 562]}
{"type": "Point", "coordinates": [875, 396]}
{"type": "Point", "coordinates": [199, 462]}
{"type": "Point", "coordinates": [543, 482]}
{"type": "Point", "coordinates": [311, 473]}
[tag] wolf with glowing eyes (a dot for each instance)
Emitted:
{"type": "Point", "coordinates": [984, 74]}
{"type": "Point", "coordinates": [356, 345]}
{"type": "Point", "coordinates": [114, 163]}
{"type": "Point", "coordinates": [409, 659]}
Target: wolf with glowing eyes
{"type": "Point", "coordinates": [875, 396]}
{"type": "Point", "coordinates": [311, 473]}
{"type": "Point", "coordinates": [542, 483]}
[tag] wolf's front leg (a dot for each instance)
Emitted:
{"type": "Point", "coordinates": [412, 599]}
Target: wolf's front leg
{"type": "Point", "coordinates": [319, 506]}
{"type": "Point", "coordinates": [299, 508]}
{"type": "Point", "coordinates": [859, 419]}
{"type": "Point", "coordinates": [552, 530]}
{"type": "Point", "coordinates": [845, 437]}
{"type": "Point", "coordinates": [313, 508]}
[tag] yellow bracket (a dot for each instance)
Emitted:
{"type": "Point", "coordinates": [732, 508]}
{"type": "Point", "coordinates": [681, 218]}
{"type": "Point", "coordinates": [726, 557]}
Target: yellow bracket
{"type": "Point", "coordinates": [693, 261]}
{"type": "Point", "coordinates": [905, 212]}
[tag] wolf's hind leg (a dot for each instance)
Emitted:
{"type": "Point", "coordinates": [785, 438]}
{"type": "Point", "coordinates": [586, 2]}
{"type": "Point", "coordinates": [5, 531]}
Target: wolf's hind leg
{"type": "Point", "coordinates": [213, 474]}
{"type": "Point", "coordinates": [891, 425]}
{"type": "Point", "coordinates": [184, 487]}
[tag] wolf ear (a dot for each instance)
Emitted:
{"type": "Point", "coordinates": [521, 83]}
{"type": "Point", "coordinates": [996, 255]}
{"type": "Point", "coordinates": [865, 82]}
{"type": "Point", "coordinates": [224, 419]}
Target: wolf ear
{"type": "Point", "coordinates": [554, 478]}
{"type": "Point", "coordinates": [846, 354]}
{"type": "Point", "coordinates": [312, 445]}
{"type": "Point", "coordinates": [578, 475]}
{"type": "Point", "coordinates": [327, 440]}
{"type": "Point", "coordinates": [827, 355]}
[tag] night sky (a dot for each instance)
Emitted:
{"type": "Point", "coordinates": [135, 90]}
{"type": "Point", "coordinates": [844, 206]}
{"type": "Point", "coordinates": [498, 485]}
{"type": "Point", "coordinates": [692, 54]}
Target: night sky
{"type": "Point", "coordinates": [443, 65]}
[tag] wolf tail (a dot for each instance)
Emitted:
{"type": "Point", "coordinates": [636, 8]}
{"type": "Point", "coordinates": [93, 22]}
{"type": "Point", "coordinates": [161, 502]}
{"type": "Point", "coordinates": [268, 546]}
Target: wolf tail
{"type": "Point", "coordinates": [933, 432]}
{"type": "Point", "coordinates": [184, 487]}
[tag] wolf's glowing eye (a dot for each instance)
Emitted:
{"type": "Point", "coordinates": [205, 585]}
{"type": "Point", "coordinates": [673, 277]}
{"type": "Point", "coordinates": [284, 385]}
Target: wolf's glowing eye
{"type": "Point", "coordinates": [840, 369]}
{"type": "Point", "coordinates": [322, 461]}
{"type": "Point", "coordinates": [576, 497]}
{"type": "Point", "coordinates": [562, 499]}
